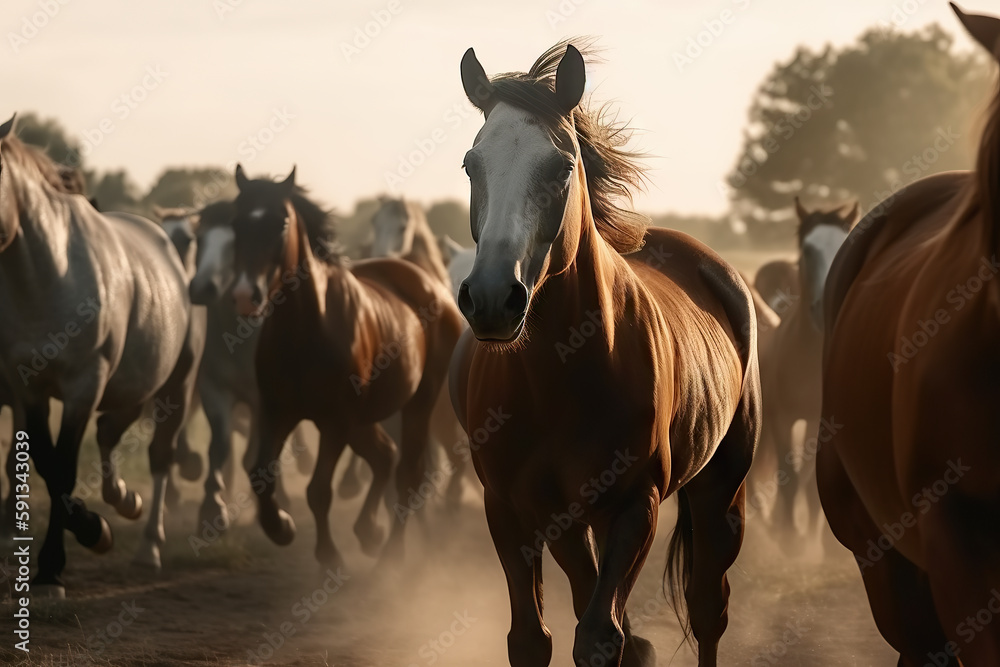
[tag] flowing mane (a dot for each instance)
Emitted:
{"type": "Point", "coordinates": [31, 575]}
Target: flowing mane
{"type": "Point", "coordinates": [612, 170]}
{"type": "Point", "coordinates": [39, 167]}
{"type": "Point", "coordinates": [321, 227]}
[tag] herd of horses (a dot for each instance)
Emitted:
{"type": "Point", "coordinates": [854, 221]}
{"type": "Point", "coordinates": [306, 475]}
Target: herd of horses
{"type": "Point", "coordinates": [686, 373]}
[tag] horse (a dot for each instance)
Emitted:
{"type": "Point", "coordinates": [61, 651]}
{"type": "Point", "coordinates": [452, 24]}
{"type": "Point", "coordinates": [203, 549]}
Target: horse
{"type": "Point", "coordinates": [96, 315]}
{"type": "Point", "coordinates": [777, 282]}
{"type": "Point", "coordinates": [460, 267]}
{"type": "Point", "coordinates": [603, 379]}
{"type": "Point", "coordinates": [791, 373]}
{"type": "Point", "coordinates": [345, 347]}
{"type": "Point", "coordinates": [401, 230]}
{"type": "Point", "coordinates": [909, 477]}
{"type": "Point", "coordinates": [226, 379]}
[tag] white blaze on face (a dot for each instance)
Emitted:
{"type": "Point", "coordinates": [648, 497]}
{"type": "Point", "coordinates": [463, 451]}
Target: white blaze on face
{"type": "Point", "coordinates": [216, 254]}
{"type": "Point", "coordinates": [512, 146]}
{"type": "Point", "coordinates": [820, 245]}
{"type": "Point", "coordinates": [258, 213]}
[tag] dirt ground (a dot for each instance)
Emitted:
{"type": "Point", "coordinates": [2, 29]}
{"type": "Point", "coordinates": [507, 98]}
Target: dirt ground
{"type": "Point", "coordinates": [242, 600]}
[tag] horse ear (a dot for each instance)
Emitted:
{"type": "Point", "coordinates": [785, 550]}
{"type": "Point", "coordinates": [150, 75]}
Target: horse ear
{"type": "Point", "coordinates": [852, 216]}
{"type": "Point", "coordinates": [477, 85]}
{"type": "Point", "coordinates": [289, 181]}
{"type": "Point", "coordinates": [800, 210]}
{"type": "Point", "coordinates": [571, 78]}
{"type": "Point", "coordinates": [7, 127]}
{"type": "Point", "coordinates": [241, 178]}
{"type": "Point", "coordinates": [984, 29]}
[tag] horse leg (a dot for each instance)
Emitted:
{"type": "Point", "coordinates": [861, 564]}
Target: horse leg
{"type": "Point", "coordinates": [350, 481]}
{"type": "Point", "coordinates": [270, 433]}
{"type": "Point", "coordinates": [319, 495]}
{"type": "Point", "coordinates": [899, 594]}
{"type": "Point", "coordinates": [626, 538]}
{"type": "Point", "coordinates": [170, 417]}
{"type": "Point", "coordinates": [962, 561]}
{"type": "Point", "coordinates": [218, 405]}
{"type": "Point", "coordinates": [111, 426]}
{"type": "Point", "coordinates": [374, 445]}
{"type": "Point", "coordinates": [783, 516]}
{"type": "Point", "coordinates": [529, 643]}
{"type": "Point", "coordinates": [304, 460]}
{"type": "Point", "coordinates": [251, 454]}
{"type": "Point", "coordinates": [412, 463]}
{"type": "Point", "coordinates": [188, 461]}
{"type": "Point", "coordinates": [448, 433]}
{"type": "Point", "coordinates": [58, 467]}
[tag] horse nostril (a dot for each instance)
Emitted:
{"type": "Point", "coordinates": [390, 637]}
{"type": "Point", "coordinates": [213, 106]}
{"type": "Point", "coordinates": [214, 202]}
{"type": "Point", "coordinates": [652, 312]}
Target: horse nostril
{"type": "Point", "coordinates": [465, 300]}
{"type": "Point", "coordinates": [517, 300]}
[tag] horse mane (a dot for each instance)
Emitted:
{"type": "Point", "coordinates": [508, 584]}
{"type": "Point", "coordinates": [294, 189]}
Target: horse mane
{"type": "Point", "coordinates": [216, 214]}
{"type": "Point", "coordinates": [35, 163]}
{"type": "Point", "coordinates": [321, 227]}
{"type": "Point", "coordinates": [612, 170]}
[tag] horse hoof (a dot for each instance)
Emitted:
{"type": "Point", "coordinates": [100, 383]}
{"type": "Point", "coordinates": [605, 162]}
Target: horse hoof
{"type": "Point", "coordinates": [148, 557]}
{"type": "Point", "coordinates": [48, 592]}
{"type": "Point", "coordinates": [371, 536]}
{"type": "Point", "coordinates": [280, 528]}
{"type": "Point", "coordinates": [191, 467]}
{"type": "Point", "coordinates": [130, 506]}
{"type": "Point", "coordinates": [100, 540]}
{"type": "Point", "coordinates": [350, 487]}
{"type": "Point", "coordinates": [214, 513]}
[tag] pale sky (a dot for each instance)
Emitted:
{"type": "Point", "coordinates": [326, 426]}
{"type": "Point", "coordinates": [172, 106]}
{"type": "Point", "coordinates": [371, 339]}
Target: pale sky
{"type": "Point", "coordinates": [226, 70]}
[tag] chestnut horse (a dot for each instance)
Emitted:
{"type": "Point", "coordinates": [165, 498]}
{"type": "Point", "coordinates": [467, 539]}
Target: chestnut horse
{"type": "Point", "coordinates": [911, 481]}
{"type": "Point", "coordinates": [605, 382]}
{"type": "Point", "coordinates": [345, 347]}
{"type": "Point", "coordinates": [790, 373]}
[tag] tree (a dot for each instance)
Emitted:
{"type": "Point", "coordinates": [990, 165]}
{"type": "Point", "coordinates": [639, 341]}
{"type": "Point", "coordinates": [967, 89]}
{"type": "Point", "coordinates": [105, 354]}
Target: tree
{"type": "Point", "coordinates": [860, 123]}
{"type": "Point", "coordinates": [49, 135]}
{"type": "Point", "coordinates": [114, 191]}
{"type": "Point", "coordinates": [452, 218]}
{"type": "Point", "coordinates": [180, 186]}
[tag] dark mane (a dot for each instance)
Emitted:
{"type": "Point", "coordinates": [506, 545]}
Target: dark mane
{"type": "Point", "coordinates": [321, 226]}
{"type": "Point", "coordinates": [612, 171]}
{"type": "Point", "coordinates": [216, 214]}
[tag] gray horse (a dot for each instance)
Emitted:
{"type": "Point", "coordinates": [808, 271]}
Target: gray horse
{"type": "Point", "coordinates": [96, 314]}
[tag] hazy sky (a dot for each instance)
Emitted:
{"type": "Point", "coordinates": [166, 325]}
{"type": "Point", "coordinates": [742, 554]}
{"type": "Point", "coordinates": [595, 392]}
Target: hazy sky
{"type": "Point", "coordinates": [200, 77]}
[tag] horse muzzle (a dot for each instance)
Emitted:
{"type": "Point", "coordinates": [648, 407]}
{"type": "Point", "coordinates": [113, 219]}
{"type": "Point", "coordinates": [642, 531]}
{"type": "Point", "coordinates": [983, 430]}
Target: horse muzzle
{"type": "Point", "coordinates": [247, 296]}
{"type": "Point", "coordinates": [495, 309]}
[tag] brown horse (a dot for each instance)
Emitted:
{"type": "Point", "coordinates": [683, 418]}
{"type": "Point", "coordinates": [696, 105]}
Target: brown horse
{"type": "Point", "coordinates": [343, 347]}
{"type": "Point", "coordinates": [605, 382]}
{"type": "Point", "coordinates": [911, 480]}
{"type": "Point", "coordinates": [778, 283]}
{"type": "Point", "coordinates": [791, 374]}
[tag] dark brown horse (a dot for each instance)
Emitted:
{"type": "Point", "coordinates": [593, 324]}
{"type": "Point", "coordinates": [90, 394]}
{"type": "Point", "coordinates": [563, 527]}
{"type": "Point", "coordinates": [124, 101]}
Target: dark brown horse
{"type": "Point", "coordinates": [790, 370]}
{"type": "Point", "coordinates": [605, 382]}
{"type": "Point", "coordinates": [910, 482]}
{"type": "Point", "coordinates": [345, 347]}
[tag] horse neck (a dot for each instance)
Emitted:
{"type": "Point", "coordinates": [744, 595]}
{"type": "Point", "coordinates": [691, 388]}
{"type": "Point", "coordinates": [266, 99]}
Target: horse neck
{"type": "Point", "coordinates": [39, 254]}
{"type": "Point", "coordinates": [425, 253]}
{"type": "Point", "coordinates": [585, 290]}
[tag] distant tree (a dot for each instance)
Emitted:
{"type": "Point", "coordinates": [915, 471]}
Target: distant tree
{"type": "Point", "coordinates": [49, 135]}
{"type": "Point", "coordinates": [114, 191]}
{"type": "Point", "coordinates": [860, 122]}
{"type": "Point", "coordinates": [180, 186]}
{"type": "Point", "coordinates": [452, 218]}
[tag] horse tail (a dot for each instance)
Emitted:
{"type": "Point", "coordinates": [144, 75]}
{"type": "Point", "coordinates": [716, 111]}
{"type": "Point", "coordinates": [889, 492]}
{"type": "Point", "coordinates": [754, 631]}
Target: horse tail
{"type": "Point", "coordinates": [677, 573]}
